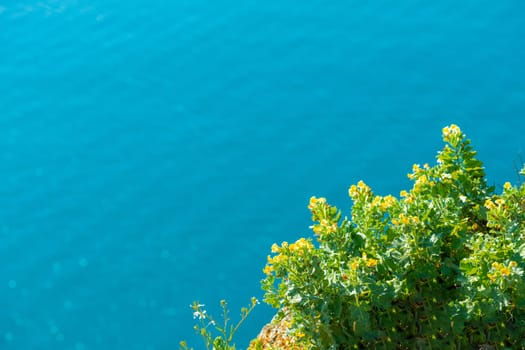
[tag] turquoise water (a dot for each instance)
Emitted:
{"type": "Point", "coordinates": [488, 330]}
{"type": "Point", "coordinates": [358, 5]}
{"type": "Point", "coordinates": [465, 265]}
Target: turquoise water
{"type": "Point", "coordinates": [152, 151]}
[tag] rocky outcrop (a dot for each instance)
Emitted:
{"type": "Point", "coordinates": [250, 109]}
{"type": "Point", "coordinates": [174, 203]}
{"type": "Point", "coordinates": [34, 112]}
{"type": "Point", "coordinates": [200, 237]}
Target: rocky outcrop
{"type": "Point", "coordinates": [276, 336]}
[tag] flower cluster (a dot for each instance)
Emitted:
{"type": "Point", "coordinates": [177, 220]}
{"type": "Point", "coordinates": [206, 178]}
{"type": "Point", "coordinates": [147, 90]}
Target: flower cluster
{"type": "Point", "coordinates": [403, 219]}
{"type": "Point", "coordinates": [451, 132]}
{"type": "Point", "coordinates": [500, 270]}
{"type": "Point", "coordinates": [286, 251]}
{"type": "Point", "coordinates": [363, 261]}
{"type": "Point", "coordinates": [324, 215]}
{"type": "Point", "coordinates": [384, 203]}
{"type": "Point", "coordinates": [361, 189]}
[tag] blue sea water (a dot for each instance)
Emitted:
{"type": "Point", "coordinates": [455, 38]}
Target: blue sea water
{"type": "Point", "coordinates": [152, 151]}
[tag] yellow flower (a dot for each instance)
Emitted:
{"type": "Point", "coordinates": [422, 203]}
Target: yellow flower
{"type": "Point", "coordinates": [268, 269]}
{"type": "Point", "coordinates": [454, 129]}
{"type": "Point", "coordinates": [354, 265]}
{"type": "Point", "coordinates": [387, 202]}
{"type": "Point", "coordinates": [416, 168]}
{"type": "Point", "coordinates": [302, 242]}
{"type": "Point", "coordinates": [505, 271]}
{"type": "Point", "coordinates": [422, 180]}
{"type": "Point", "coordinates": [317, 229]}
{"type": "Point", "coordinates": [489, 204]}
{"type": "Point", "coordinates": [324, 226]}
{"type": "Point", "coordinates": [352, 191]}
{"type": "Point", "coordinates": [500, 201]}
{"type": "Point", "coordinates": [314, 201]}
{"type": "Point", "coordinates": [507, 186]}
{"type": "Point", "coordinates": [403, 193]}
{"type": "Point", "coordinates": [278, 259]}
{"type": "Point", "coordinates": [450, 131]}
{"type": "Point", "coordinates": [294, 247]}
{"type": "Point", "coordinates": [404, 219]}
{"type": "Point", "coordinates": [491, 276]}
{"type": "Point", "coordinates": [513, 264]}
{"type": "Point", "coordinates": [275, 248]}
{"type": "Point", "coordinates": [300, 245]}
{"type": "Point", "coordinates": [371, 262]}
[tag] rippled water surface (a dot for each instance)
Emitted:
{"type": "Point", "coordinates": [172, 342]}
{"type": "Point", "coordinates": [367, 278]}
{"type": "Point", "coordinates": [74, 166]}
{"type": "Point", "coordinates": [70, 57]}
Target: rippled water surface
{"type": "Point", "coordinates": [152, 151]}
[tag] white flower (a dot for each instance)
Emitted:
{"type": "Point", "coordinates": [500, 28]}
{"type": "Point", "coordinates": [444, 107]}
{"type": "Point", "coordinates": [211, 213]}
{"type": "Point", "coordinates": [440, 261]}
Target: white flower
{"type": "Point", "coordinates": [199, 314]}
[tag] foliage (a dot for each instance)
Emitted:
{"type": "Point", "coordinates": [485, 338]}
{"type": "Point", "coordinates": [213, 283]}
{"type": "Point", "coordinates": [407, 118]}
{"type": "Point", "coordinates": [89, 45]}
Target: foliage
{"type": "Point", "coordinates": [225, 330]}
{"type": "Point", "coordinates": [439, 267]}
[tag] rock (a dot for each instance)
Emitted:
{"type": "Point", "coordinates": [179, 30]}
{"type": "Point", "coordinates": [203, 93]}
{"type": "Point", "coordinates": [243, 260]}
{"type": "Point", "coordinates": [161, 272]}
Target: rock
{"type": "Point", "coordinates": [275, 335]}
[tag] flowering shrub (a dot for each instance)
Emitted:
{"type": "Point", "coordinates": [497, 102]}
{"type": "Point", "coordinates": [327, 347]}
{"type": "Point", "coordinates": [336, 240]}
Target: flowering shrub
{"type": "Point", "coordinates": [439, 267]}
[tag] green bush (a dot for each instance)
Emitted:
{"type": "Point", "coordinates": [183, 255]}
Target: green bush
{"type": "Point", "coordinates": [440, 267]}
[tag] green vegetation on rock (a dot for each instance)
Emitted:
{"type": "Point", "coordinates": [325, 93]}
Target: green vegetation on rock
{"type": "Point", "coordinates": [440, 267]}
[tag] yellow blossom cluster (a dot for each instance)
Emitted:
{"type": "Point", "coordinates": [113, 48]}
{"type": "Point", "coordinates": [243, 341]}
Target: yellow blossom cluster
{"type": "Point", "coordinates": [384, 203]}
{"type": "Point", "coordinates": [450, 131]}
{"type": "Point", "coordinates": [314, 202]}
{"type": "Point", "coordinates": [498, 214]}
{"type": "Point", "coordinates": [409, 197]}
{"type": "Point", "coordinates": [322, 212]}
{"type": "Point", "coordinates": [300, 247]}
{"type": "Point", "coordinates": [403, 219]}
{"type": "Point", "coordinates": [496, 204]}
{"type": "Point", "coordinates": [416, 170]}
{"type": "Point", "coordinates": [371, 262]}
{"type": "Point", "coordinates": [368, 262]}
{"type": "Point", "coordinates": [324, 226]}
{"type": "Point", "coordinates": [420, 175]}
{"type": "Point", "coordinates": [361, 187]}
{"type": "Point", "coordinates": [276, 260]}
{"type": "Point", "coordinates": [500, 270]}
{"type": "Point", "coordinates": [423, 181]}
